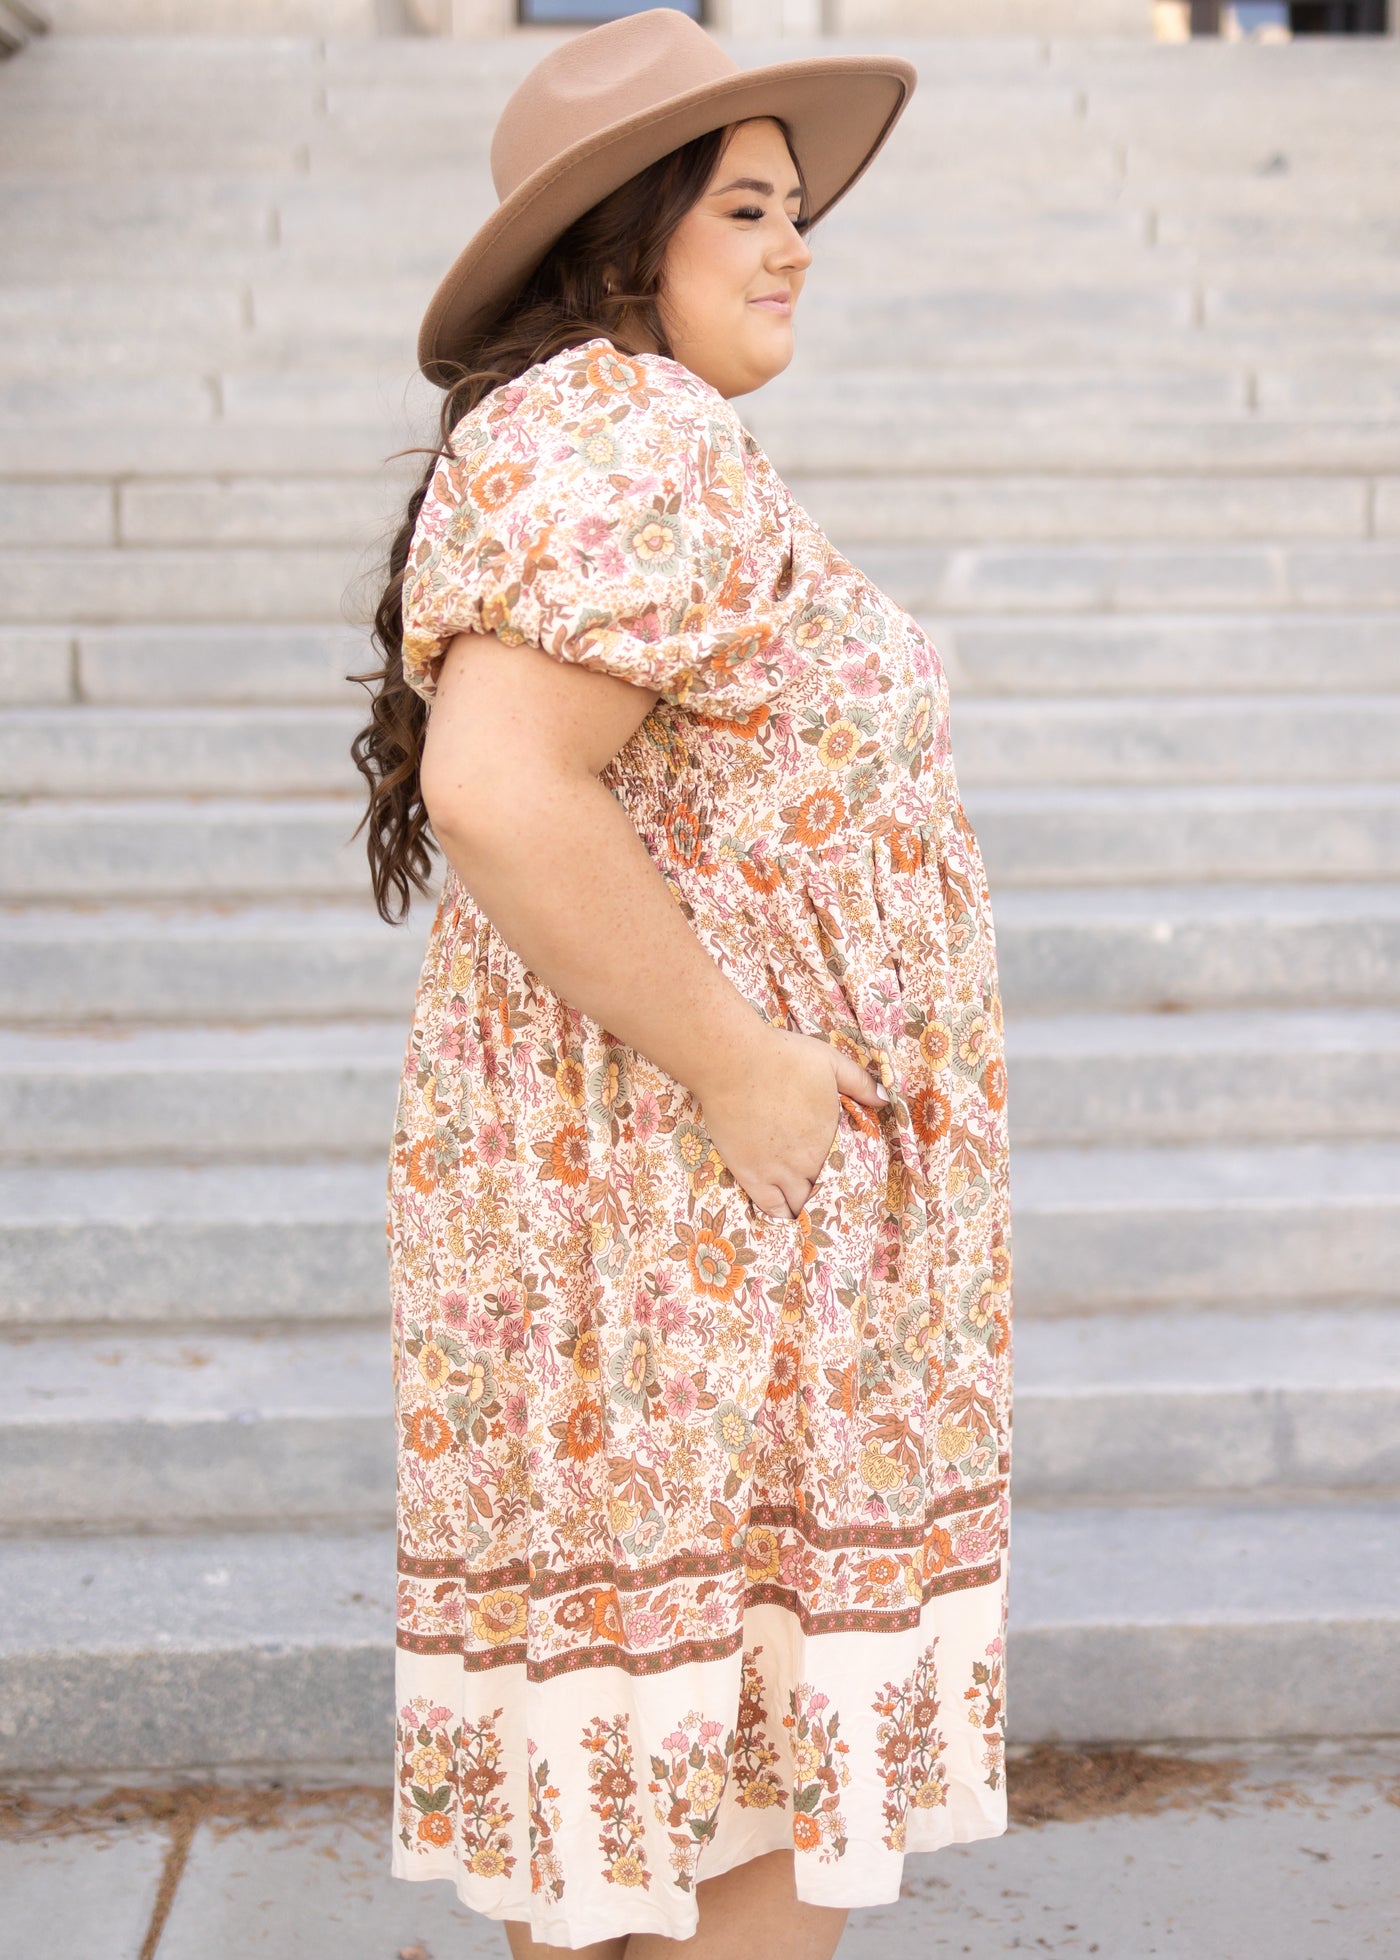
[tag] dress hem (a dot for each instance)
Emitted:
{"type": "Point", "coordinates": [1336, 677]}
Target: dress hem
{"type": "Point", "coordinates": [554, 1932]}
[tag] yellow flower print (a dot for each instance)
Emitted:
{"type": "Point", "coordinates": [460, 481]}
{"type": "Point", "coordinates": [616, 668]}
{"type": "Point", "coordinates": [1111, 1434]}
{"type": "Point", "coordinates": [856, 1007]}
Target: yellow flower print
{"type": "Point", "coordinates": [433, 1364]}
{"type": "Point", "coordinates": [838, 743]}
{"type": "Point", "coordinates": [762, 1551]}
{"type": "Point", "coordinates": [571, 1081]}
{"type": "Point", "coordinates": [653, 542]}
{"type": "Point", "coordinates": [936, 1044]}
{"type": "Point", "coordinates": [430, 1766]}
{"type": "Point", "coordinates": [499, 1616]}
{"type": "Point", "coordinates": [954, 1442]}
{"type": "Point", "coordinates": [879, 1471]}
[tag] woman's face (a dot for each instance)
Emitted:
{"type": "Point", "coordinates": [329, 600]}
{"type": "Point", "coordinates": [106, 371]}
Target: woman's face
{"type": "Point", "coordinates": [735, 264]}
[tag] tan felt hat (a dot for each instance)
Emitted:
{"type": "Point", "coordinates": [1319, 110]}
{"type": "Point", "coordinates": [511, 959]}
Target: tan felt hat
{"type": "Point", "coordinates": [604, 104]}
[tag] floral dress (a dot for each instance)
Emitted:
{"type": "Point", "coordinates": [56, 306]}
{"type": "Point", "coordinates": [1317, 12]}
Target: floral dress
{"type": "Point", "coordinates": [703, 1514]}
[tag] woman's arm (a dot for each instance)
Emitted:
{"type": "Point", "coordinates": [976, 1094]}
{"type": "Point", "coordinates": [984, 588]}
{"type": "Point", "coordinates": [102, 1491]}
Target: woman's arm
{"type": "Point", "coordinates": [514, 746]}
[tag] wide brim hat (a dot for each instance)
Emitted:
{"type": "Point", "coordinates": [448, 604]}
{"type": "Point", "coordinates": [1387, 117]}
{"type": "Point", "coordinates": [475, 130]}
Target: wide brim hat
{"type": "Point", "coordinates": [605, 104]}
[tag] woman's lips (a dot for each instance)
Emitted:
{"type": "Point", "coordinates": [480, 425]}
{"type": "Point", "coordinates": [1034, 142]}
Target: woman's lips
{"type": "Point", "coordinates": [774, 302]}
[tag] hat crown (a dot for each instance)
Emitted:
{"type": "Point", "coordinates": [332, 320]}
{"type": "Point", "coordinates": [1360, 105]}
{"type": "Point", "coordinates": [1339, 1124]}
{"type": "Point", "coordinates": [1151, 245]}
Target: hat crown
{"type": "Point", "coordinates": [596, 80]}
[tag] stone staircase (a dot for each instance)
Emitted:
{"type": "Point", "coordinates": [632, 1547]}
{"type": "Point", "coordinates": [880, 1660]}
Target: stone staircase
{"type": "Point", "coordinates": [1100, 375]}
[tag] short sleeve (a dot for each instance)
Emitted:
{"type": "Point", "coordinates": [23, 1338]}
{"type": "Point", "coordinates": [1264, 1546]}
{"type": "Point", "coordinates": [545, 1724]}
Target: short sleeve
{"type": "Point", "coordinates": [597, 509]}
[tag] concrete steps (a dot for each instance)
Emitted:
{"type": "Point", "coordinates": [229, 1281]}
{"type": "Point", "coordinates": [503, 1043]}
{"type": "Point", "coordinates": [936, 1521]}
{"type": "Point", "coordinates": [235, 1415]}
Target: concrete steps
{"type": "Point", "coordinates": [1097, 434]}
{"type": "Point", "coordinates": [184, 1244]}
{"type": "Point", "coordinates": [248, 585]}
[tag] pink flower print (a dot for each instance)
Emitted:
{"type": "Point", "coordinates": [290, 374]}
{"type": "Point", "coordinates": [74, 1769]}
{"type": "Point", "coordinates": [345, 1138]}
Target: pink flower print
{"type": "Point", "coordinates": [669, 1315]}
{"type": "Point", "coordinates": [456, 1307]}
{"type": "Point", "coordinates": [492, 1144]}
{"type": "Point", "coordinates": [590, 532]}
{"type": "Point", "coordinates": [680, 1740]}
{"type": "Point", "coordinates": [517, 1412]}
{"type": "Point", "coordinates": [435, 1717]}
{"type": "Point", "coordinates": [645, 1629]}
{"type": "Point", "coordinates": [709, 1731]}
{"type": "Point", "coordinates": [681, 1398]}
{"type": "Point", "coordinates": [451, 1043]}
{"type": "Point", "coordinates": [646, 1115]}
{"type": "Point", "coordinates": [971, 1545]}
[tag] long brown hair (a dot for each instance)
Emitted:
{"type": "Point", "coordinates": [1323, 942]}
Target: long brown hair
{"type": "Point", "coordinates": [602, 277]}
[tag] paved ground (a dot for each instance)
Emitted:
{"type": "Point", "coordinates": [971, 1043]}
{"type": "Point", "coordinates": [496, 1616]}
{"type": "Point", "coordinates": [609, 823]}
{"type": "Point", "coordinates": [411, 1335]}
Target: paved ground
{"type": "Point", "coordinates": [1284, 1851]}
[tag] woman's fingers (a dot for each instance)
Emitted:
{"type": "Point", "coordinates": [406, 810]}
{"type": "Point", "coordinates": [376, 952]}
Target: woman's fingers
{"type": "Point", "coordinates": [854, 1081]}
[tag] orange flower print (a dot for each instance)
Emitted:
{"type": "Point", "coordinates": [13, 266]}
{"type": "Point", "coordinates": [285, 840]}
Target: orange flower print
{"type": "Point", "coordinates": [684, 837]}
{"type": "Point", "coordinates": [994, 1083]}
{"type": "Point", "coordinates": [759, 871]}
{"type": "Point", "coordinates": [422, 1165]}
{"type": "Point", "coordinates": [906, 849]}
{"type": "Point", "coordinates": [713, 1266]}
{"type": "Point", "coordinates": [733, 655]}
{"type": "Point", "coordinates": [435, 1828]}
{"type": "Point", "coordinates": [566, 1155]}
{"type": "Point", "coordinates": [816, 818]}
{"type": "Point", "coordinates": [931, 1114]}
{"type": "Point", "coordinates": [785, 1371]}
{"type": "Point", "coordinates": [427, 1434]}
{"type": "Point", "coordinates": [746, 727]}
{"type": "Point", "coordinates": [607, 1615]}
{"type": "Point", "coordinates": [613, 374]}
{"type": "Point", "coordinates": [496, 485]}
{"type": "Point", "coordinates": [806, 1832]}
{"type": "Point", "coordinates": [581, 1433]}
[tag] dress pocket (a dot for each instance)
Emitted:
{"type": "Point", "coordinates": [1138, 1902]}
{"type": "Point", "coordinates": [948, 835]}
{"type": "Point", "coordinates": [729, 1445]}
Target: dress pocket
{"type": "Point", "coordinates": [835, 1158]}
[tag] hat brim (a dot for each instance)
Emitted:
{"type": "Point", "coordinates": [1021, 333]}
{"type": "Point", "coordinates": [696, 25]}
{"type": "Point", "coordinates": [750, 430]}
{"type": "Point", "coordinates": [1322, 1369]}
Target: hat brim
{"type": "Point", "coordinates": [838, 108]}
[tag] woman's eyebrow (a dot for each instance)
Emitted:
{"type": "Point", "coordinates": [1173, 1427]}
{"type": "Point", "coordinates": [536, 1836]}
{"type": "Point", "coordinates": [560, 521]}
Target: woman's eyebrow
{"type": "Point", "coordinates": [753, 184]}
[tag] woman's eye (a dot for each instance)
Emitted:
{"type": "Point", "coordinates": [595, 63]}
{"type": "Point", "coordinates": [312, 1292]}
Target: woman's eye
{"type": "Point", "coordinates": [748, 211]}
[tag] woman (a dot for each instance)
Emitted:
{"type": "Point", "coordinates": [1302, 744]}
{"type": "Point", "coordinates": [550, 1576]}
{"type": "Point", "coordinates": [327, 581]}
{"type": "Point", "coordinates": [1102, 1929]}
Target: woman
{"type": "Point", "coordinates": [697, 1201]}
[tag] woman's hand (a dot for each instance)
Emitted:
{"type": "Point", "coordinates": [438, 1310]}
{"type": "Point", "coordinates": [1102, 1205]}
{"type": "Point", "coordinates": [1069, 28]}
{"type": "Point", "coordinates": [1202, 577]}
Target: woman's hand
{"type": "Point", "coordinates": [774, 1114]}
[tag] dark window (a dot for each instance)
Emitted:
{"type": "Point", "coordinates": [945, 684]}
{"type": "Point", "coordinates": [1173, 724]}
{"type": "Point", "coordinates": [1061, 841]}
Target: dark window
{"type": "Point", "coordinates": [1338, 17]}
{"type": "Point", "coordinates": [588, 13]}
{"type": "Point", "coordinates": [1299, 16]}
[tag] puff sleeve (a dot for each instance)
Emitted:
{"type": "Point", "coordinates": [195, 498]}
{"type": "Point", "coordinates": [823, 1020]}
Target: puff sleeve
{"type": "Point", "coordinates": [598, 509]}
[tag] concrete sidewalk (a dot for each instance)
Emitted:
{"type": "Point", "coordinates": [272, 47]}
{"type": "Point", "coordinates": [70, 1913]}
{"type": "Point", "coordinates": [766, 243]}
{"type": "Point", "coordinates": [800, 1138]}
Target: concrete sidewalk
{"type": "Point", "coordinates": [1222, 1853]}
